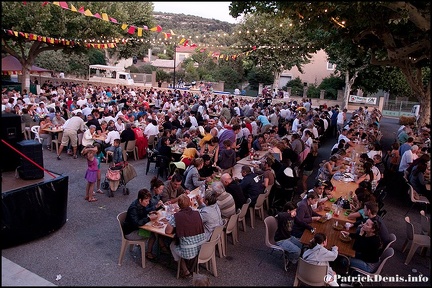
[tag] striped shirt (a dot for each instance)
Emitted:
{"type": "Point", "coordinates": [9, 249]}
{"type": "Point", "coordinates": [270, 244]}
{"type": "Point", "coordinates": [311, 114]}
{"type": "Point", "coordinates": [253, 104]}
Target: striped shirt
{"type": "Point", "coordinates": [226, 204]}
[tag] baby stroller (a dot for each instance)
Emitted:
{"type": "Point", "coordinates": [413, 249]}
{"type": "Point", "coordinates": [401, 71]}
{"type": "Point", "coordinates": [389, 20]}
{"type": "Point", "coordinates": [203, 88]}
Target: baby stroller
{"type": "Point", "coordinates": [283, 192]}
{"type": "Point", "coordinates": [118, 175]}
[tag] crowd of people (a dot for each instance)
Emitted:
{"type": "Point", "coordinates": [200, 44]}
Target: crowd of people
{"type": "Point", "coordinates": [217, 131]}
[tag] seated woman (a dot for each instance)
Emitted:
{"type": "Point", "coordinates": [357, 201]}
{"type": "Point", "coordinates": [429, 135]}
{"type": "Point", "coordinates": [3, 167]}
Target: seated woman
{"type": "Point", "coordinates": [210, 212]}
{"type": "Point", "coordinates": [318, 254]}
{"type": "Point", "coordinates": [137, 215]}
{"type": "Point", "coordinates": [208, 169]}
{"type": "Point", "coordinates": [330, 167]}
{"type": "Point", "coordinates": [192, 180]}
{"type": "Point", "coordinates": [417, 179]}
{"type": "Point", "coordinates": [367, 245]}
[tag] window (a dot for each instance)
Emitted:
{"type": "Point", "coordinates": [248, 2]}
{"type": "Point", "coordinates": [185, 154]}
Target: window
{"type": "Point", "coordinates": [330, 66]}
{"type": "Point", "coordinates": [122, 76]}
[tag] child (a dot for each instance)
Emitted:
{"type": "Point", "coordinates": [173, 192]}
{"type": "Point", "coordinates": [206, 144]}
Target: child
{"type": "Point", "coordinates": [227, 158]}
{"type": "Point", "coordinates": [92, 171]}
{"type": "Point", "coordinates": [117, 152]}
{"type": "Point", "coordinates": [100, 157]}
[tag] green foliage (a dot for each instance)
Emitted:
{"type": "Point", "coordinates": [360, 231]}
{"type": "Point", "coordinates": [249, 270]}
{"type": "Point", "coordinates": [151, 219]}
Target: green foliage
{"type": "Point", "coordinates": [297, 86]}
{"type": "Point", "coordinates": [163, 56]}
{"type": "Point", "coordinates": [331, 85]}
{"type": "Point", "coordinates": [360, 34]}
{"type": "Point", "coordinates": [257, 76]}
{"type": "Point", "coordinates": [162, 76]}
{"type": "Point", "coordinates": [313, 91]}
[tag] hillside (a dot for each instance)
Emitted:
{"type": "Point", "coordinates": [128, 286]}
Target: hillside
{"type": "Point", "coordinates": [184, 24]}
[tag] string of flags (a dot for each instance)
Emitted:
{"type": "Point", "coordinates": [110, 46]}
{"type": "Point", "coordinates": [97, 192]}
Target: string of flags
{"type": "Point", "coordinates": [131, 29]}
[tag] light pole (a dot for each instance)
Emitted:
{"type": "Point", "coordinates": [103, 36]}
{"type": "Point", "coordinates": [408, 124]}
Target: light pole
{"type": "Point", "coordinates": [175, 56]}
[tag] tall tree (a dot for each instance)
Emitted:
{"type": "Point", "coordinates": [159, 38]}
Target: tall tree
{"type": "Point", "coordinates": [49, 20]}
{"type": "Point", "coordinates": [395, 34]}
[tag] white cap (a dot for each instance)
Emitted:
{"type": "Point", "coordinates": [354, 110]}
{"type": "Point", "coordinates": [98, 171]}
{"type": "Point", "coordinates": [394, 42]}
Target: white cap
{"type": "Point", "coordinates": [76, 111]}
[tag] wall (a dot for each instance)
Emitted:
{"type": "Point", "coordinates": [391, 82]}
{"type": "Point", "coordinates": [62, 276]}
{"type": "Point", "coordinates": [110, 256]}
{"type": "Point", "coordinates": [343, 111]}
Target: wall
{"type": "Point", "coordinates": [314, 72]}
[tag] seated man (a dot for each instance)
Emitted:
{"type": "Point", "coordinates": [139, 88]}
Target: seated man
{"type": "Point", "coordinates": [233, 188]}
{"type": "Point", "coordinates": [225, 200]}
{"type": "Point", "coordinates": [173, 189]}
{"type": "Point", "coordinates": [252, 184]}
{"type": "Point", "coordinates": [305, 215]}
{"type": "Point", "coordinates": [189, 230]}
{"type": "Point", "coordinates": [283, 238]}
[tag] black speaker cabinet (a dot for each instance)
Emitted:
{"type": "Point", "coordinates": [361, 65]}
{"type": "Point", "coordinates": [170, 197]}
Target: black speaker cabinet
{"type": "Point", "coordinates": [12, 134]}
{"type": "Point", "coordinates": [33, 150]}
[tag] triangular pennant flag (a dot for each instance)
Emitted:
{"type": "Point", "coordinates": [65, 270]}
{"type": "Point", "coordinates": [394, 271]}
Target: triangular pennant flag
{"type": "Point", "coordinates": [88, 13]}
{"type": "Point", "coordinates": [145, 27]}
{"type": "Point", "coordinates": [172, 33]}
{"type": "Point", "coordinates": [193, 45]}
{"type": "Point", "coordinates": [139, 32]}
{"type": "Point", "coordinates": [56, 3]}
{"type": "Point", "coordinates": [167, 35]}
{"type": "Point", "coordinates": [81, 9]}
{"type": "Point", "coordinates": [15, 33]}
{"type": "Point", "coordinates": [185, 43]}
{"type": "Point", "coordinates": [158, 28]}
{"type": "Point", "coordinates": [73, 8]}
{"type": "Point", "coordinates": [227, 58]}
{"type": "Point", "coordinates": [44, 3]}
{"type": "Point", "coordinates": [52, 41]}
{"type": "Point", "coordinates": [64, 5]}
{"type": "Point", "coordinates": [124, 26]}
{"type": "Point", "coordinates": [113, 20]}
{"type": "Point", "coordinates": [105, 17]}
{"type": "Point", "coordinates": [26, 35]}
{"type": "Point", "coordinates": [21, 34]}
{"type": "Point", "coordinates": [182, 41]}
{"type": "Point", "coordinates": [43, 39]}
{"type": "Point", "coordinates": [97, 15]}
{"type": "Point", "coordinates": [131, 30]}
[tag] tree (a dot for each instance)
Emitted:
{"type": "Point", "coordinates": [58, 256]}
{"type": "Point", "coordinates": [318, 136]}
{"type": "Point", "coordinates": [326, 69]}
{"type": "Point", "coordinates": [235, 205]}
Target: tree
{"type": "Point", "coordinates": [278, 46]}
{"type": "Point", "coordinates": [395, 34]}
{"type": "Point", "coordinates": [52, 21]}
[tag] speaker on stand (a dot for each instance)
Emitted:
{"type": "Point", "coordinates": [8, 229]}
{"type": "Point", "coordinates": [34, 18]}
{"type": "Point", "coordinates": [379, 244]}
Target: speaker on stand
{"type": "Point", "coordinates": [33, 150]}
{"type": "Point", "coordinates": [12, 134]}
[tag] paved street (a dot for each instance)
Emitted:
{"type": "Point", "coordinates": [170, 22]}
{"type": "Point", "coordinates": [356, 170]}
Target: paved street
{"type": "Point", "coordinates": [85, 250]}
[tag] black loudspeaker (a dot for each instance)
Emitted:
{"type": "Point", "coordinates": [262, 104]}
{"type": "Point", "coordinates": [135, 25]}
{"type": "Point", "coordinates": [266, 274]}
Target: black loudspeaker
{"type": "Point", "coordinates": [12, 134]}
{"type": "Point", "coordinates": [33, 150]}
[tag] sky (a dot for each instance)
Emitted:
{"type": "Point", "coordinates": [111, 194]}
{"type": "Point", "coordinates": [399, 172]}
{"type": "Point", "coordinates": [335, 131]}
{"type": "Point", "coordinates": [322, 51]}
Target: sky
{"type": "Point", "coordinates": [211, 10]}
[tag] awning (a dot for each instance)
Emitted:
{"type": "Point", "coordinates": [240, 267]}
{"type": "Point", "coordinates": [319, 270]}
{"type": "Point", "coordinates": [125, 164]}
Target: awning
{"type": "Point", "coordinates": [12, 66]}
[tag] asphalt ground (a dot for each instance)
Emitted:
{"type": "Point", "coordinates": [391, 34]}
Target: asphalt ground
{"type": "Point", "coordinates": [84, 252]}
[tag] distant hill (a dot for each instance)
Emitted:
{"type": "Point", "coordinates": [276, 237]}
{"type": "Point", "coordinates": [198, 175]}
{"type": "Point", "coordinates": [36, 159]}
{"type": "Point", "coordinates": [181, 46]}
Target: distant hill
{"type": "Point", "coordinates": [182, 23]}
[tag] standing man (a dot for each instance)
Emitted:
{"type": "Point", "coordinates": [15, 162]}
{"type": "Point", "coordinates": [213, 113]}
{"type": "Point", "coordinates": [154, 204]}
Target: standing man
{"type": "Point", "coordinates": [70, 132]}
{"type": "Point", "coordinates": [341, 118]}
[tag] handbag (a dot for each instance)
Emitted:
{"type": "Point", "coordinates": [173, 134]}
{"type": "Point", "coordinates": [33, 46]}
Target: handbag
{"type": "Point", "coordinates": [113, 175]}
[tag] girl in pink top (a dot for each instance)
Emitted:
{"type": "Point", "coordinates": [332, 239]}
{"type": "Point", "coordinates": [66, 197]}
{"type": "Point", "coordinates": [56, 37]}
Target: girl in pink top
{"type": "Point", "coordinates": [92, 171]}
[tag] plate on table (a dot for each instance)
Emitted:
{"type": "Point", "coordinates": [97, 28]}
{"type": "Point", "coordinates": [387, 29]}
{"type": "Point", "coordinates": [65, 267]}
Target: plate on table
{"type": "Point", "coordinates": [322, 219]}
{"type": "Point", "coordinates": [157, 225]}
{"type": "Point", "coordinates": [327, 208]}
{"type": "Point", "coordinates": [338, 227]}
{"type": "Point", "coordinates": [345, 238]}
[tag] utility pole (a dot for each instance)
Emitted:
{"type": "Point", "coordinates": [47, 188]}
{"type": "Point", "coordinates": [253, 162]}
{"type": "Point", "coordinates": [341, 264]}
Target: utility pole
{"type": "Point", "coordinates": [175, 56]}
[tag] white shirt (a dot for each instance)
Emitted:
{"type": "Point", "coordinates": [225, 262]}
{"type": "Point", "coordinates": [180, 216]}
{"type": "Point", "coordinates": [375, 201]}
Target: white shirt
{"type": "Point", "coordinates": [406, 159]}
{"type": "Point", "coordinates": [87, 138]}
{"type": "Point", "coordinates": [340, 118]}
{"type": "Point", "coordinates": [111, 136]}
{"type": "Point", "coordinates": [296, 125]}
{"type": "Point", "coordinates": [150, 130]}
{"type": "Point", "coordinates": [193, 120]}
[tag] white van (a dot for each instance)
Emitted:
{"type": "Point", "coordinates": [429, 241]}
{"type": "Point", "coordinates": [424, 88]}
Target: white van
{"type": "Point", "coordinates": [109, 74]}
{"type": "Point", "coordinates": [416, 111]}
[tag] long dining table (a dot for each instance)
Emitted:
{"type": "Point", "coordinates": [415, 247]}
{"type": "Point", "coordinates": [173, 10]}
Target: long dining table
{"type": "Point", "coordinates": [334, 236]}
{"type": "Point", "coordinates": [160, 224]}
